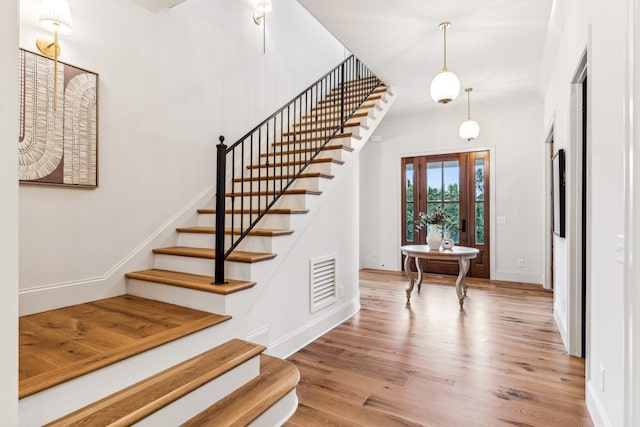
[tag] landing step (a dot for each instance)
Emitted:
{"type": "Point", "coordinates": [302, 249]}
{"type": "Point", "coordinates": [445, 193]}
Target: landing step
{"type": "Point", "coordinates": [235, 256]}
{"type": "Point", "coordinates": [191, 281]}
{"type": "Point", "coordinates": [278, 177]}
{"type": "Point", "coordinates": [258, 211]}
{"type": "Point", "coordinates": [59, 345]}
{"type": "Point", "coordinates": [277, 378]}
{"type": "Point", "coordinates": [264, 232]}
{"type": "Point", "coordinates": [146, 397]}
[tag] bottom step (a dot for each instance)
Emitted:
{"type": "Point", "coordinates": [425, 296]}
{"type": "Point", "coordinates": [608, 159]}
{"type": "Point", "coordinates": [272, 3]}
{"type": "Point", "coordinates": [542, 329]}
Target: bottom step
{"type": "Point", "coordinates": [244, 385]}
{"type": "Point", "coordinates": [158, 400]}
{"type": "Point", "coordinates": [252, 402]}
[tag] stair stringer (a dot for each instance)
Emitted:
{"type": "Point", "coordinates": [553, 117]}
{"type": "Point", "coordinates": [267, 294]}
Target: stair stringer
{"type": "Point", "coordinates": [285, 334]}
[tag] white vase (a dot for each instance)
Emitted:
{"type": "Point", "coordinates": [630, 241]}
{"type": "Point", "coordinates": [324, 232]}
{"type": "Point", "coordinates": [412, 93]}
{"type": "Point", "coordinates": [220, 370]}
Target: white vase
{"type": "Point", "coordinates": [434, 238]}
{"type": "Point", "coordinates": [447, 241]}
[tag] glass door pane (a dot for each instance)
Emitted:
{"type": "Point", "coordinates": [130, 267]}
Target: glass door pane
{"type": "Point", "coordinates": [479, 201]}
{"type": "Point", "coordinates": [409, 203]}
{"type": "Point", "coordinates": [443, 191]}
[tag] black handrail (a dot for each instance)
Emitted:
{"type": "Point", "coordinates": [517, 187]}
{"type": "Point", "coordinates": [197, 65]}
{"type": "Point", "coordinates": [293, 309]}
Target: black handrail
{"type": "Point", "coordinates": [313, 113]}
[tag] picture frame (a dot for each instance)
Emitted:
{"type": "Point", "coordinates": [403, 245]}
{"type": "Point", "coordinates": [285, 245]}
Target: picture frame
{"type": "Point", "coordinates": [59, 146]}
{"type": "Point", "coordinates": [559, 203]}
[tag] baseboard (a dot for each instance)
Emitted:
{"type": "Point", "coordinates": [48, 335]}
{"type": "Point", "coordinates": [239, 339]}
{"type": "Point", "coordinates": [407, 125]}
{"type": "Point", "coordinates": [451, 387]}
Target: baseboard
{"type": "Point", "coordinates": [112, 283]}
{"type": "Point", "coordinates": [562, 328]}
{"type": "Point", "coordinates": [596, 408]}
{"type": "Point", "coordinates": [294, 341]}
{"type": "Point", "coordinates": [507, 276]}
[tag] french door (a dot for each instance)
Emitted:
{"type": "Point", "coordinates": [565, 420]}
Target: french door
{"type": "Point", "coordinates": [458, 183]}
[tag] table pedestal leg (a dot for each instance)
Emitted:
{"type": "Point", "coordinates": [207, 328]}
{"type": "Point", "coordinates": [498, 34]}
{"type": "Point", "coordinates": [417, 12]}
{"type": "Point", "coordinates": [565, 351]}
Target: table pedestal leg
{"type": "Point", "coordinates": [419, 268]}
{"type": "Point", "coordinates": [409, 274]}
{"type": "Point", "coordinates": [461, 285]}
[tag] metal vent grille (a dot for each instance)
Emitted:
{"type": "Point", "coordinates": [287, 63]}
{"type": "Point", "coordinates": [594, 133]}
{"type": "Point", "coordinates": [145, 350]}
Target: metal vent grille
{"type": "Point", "coordinates": [323, 289]}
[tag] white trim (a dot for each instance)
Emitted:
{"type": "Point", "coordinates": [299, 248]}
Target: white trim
{"type": "Point", "coordinates": [596, 407]}
{"type": "Point", "coordinates": [631, 369]}
{"type": "Point", "coordinates": [574, 205]}
{"type": "Point", "coordinates": [507, 276]}
{"type": "Point", "coordinates": [297, 339]}
{"type": "Point", "coordinates": [492, 201]}
{"type": "Point", "coordinates": [547, 258]}
{"type": "Point", "coordinates": [112, 283]}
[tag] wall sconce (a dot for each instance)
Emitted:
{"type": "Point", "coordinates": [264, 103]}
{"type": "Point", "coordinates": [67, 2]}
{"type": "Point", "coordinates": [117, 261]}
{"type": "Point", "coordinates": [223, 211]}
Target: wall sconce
{"type": "Point", "coordinates": [55, 16]}
{"type": "Point", "coordinates": [469, 129]}
{"type": "Point", "coordinates": [260, 17]}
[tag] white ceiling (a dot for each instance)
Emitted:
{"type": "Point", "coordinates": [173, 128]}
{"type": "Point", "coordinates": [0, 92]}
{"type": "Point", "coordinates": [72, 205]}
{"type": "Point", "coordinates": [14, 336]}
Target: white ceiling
{"type": "Point", "coordinates": [494, 46]}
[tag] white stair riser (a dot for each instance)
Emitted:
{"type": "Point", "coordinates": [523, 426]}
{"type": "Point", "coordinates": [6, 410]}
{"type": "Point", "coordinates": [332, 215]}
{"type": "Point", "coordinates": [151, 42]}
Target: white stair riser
{"type": "Point", "coordinates": [306, 132]}
{"type": "Point", "coordinates": [296, 157]}
{"type": "Point", "coordinates": [292, 201]}
{"type": "Point", "coordinates": [347, 142]}
{"type": "Point", "coordinates": [275, 221]}
{"type": "Point", "coordinates": [183, 409]}
{"type": "Point", "coordinates": [314, 183]}
{"type": "Point", "coordinates": [249, 243]}
{"type": "Point", "coordinates": [203, 266]}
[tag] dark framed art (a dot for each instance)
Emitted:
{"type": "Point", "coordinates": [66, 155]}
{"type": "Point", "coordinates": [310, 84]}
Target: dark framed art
{"type": "Point", "coordinates": [558, 165]}
{"type": "Point", "coordinates": [57, 146]}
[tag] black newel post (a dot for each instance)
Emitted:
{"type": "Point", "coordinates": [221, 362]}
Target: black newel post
{"type": "Point", "coordinates": [221, 176]}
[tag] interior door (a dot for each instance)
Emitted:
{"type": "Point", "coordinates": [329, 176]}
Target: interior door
{"type": "Point", "coordinates": [458, 183]}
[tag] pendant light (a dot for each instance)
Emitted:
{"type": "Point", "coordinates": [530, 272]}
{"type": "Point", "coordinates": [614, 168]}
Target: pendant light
{"type": "Point", "coordinates": [445, 87]}
{"type": "Point", "coordinates": [469, 129]}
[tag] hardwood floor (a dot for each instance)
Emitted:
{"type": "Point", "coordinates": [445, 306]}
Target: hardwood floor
{"type": "Point", "coordinates": [498, 362]}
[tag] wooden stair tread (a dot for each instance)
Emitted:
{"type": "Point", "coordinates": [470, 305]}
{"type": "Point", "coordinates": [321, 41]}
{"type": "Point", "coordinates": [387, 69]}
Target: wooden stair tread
{"type": "Point", "coordinates": [140, 400]}
{"type": "Point", "coordinates": [315, 119]}
{"type": "Point", "coordinates": [73, 326]}
{"type": "Point", "coordinates": [235, 256]}
{"type": "Point", "coordinates": [310, 127]}
{"type": "Point", "coordinates": [264, 232]}
{"type": "Point", "coordinates": [274, 211]}
{"type": "Point", "coordinates": [337, 93]}
{"type": "Point", "coordinates": [289, 192]}
{"type": "Point", "coordinates": [304, 140]}
{"type": "Point", "coordinates": [277, 378]}
{"type": "Point", "coordinates": [350, 100]}
{"type": "Point", "coordinates": [290, 176]}
{"type": "Point", "coordinates": [276, 154]}
{"type": "Point", "coordinates": [295, 163]}
{"type": "Point", "coordinates": [191, 281]}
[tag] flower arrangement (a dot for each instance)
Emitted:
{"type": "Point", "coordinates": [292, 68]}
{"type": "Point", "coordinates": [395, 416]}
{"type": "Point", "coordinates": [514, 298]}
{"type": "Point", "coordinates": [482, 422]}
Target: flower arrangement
{"type": "Point", "coordinates": [437, 217]}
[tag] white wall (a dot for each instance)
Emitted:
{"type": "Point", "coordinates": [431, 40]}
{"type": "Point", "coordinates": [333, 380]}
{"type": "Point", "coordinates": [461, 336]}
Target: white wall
{"type": "Point", "coordinates": [9, 212]}
{"type": "Point", "coordinates": [514, 135]}
{"type": "Point", "coordinates": [169, 84]}
{"type": "Point", "coordinates": [598, 26]}
{"type": "Point", "coordinates": [282, 311]}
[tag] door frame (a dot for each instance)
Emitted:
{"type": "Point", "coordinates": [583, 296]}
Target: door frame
{"type": "Point", "coordinates": [492, 189]}
{"type": "Point", "coordinates": [632, 210]}
{"type": "Point", "coordinates": [547, 261]}
{"type": "Point", "coordinates": [574, 212]}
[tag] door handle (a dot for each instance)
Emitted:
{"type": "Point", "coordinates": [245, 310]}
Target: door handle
{"type": "Point", "coordinates": [463, 225]}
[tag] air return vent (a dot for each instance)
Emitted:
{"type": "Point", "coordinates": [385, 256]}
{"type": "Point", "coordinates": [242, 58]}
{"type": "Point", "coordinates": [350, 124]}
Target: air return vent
{"type": "Point", "coordinates": [323, 290]}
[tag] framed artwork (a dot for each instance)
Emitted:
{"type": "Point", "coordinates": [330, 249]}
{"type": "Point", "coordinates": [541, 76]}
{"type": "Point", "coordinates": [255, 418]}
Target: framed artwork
{"type": "Point", "coordinates": [57, 147]}
{"type": "Point", "coordinates": [559, 194]}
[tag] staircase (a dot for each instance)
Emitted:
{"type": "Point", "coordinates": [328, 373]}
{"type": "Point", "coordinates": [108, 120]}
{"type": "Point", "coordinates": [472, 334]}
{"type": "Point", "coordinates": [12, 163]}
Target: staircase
{"type": "Point", "coordinates": [202, 371]}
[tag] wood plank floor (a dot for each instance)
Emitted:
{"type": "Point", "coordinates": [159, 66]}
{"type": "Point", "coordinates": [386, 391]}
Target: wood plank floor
{"type": "Point", "coordinates": [58, 345]}
{"type": "Point", "coordinates": [499, 362]}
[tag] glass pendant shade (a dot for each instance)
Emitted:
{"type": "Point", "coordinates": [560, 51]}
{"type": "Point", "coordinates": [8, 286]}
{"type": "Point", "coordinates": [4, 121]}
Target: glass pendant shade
{"type": "Point", "coordinates": [56, 14]}
{"type": "Point", "coordinates": [445, 87]}
{"type": "Point", "coordinates": [264, 6]}
{"type": "Point", "coordinates": [469, 129]}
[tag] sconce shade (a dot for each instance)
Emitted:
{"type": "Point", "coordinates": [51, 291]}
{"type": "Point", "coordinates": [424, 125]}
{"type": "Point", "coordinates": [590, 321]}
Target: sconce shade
{"type": "Point", "coordinates": [469, 129]}
{"type": "Point", "coordinates": [445, 87]}
{"type": "Point", "coordinates": [264, 6]}
{"type": "Point", "coordinates": [56, 14]}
